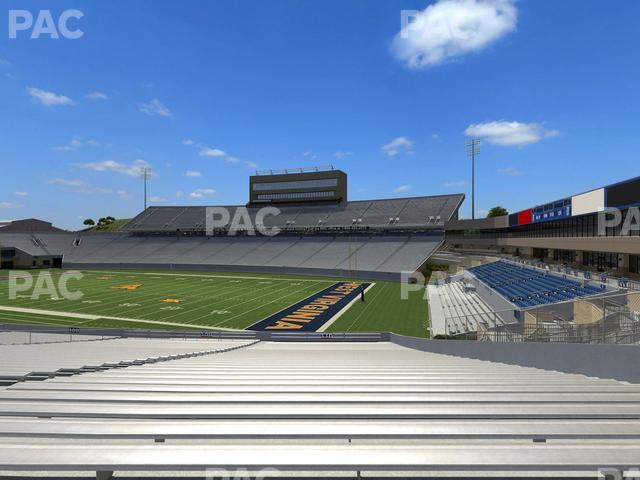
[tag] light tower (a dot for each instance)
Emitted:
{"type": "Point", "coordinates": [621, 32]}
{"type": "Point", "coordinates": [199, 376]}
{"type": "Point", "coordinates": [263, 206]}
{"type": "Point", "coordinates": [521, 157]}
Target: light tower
{"type": "Point", "coordinates": [145, 173]}
{"type": "Point", "coordinates": [473, 149]}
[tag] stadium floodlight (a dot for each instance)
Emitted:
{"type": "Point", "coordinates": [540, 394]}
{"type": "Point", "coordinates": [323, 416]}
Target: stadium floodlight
{"type": "Point", "coordinates": [145, 173]}
{"type": "Point", "coordinates": [473, 149]}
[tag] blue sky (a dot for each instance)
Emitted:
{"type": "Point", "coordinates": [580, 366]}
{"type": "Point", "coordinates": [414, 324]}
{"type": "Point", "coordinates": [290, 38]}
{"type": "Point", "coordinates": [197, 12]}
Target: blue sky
{"type": "Point", "coordinates": [204, 92]}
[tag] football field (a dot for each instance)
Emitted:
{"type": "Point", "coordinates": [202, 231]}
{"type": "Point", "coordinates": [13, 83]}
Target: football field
{"type": "Point", "coordinates": [200, 301]}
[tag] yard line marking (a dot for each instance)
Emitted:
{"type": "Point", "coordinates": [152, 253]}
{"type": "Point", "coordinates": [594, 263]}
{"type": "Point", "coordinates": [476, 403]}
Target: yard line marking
{"type": "Point", "coordinates": [261, 305]}
{"type": "Point", "coordinates": [89, 317]}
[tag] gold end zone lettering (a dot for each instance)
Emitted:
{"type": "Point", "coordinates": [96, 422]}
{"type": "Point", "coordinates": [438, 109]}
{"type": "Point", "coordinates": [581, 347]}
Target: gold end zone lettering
{"type": "Point", "coordinates": [311, 313]}
{"type": "Point", "coordinates": [280, 325]}
{"type": "Point", "coordinates": [312, 307]}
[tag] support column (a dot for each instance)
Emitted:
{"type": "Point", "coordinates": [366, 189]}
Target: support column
{"type": "Point", "coordinates": [623, 264]}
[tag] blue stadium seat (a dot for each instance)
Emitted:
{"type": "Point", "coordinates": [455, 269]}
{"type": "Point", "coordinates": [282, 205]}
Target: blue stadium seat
{"type": "Point", "coordinates": [526, 287]}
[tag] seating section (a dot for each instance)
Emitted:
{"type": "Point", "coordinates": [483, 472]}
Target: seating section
{"type": "Point", "coordinates": [330, 409]}
{"type": "Point", "coordinates": [528, 287]}
{"type": "Point", "coordinates": [37, 361]}
{"type": "Point", "coordinates": [402, 212]}
{"type": "Point", "coordinates": [387, 254]}
{"type": "Point", "coordinates": [455, 311]}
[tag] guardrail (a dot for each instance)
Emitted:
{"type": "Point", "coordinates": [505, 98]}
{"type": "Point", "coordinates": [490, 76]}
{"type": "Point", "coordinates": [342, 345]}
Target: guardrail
{"type": "Point", "coordinates": [75, 332]}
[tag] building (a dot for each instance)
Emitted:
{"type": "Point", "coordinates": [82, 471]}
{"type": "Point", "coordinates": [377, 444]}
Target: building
{"type": "Point", "coordinates": [30, 251]}
{"type": "Point", "coordinates": [317, 231]}
{"type": "Point", "coordinates": [300, 185]}
{"type": "Point", "coordinates": [596, 230]}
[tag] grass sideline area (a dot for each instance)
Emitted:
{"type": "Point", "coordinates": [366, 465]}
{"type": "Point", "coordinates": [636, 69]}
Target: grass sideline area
{"type": "Point", "coordinates": [178, 300]}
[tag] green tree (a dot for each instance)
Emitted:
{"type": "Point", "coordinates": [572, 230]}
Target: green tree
{"type": "Point", "coordinates": [497, 212]}
{"type": "Point", "coordinates": [89, 222]}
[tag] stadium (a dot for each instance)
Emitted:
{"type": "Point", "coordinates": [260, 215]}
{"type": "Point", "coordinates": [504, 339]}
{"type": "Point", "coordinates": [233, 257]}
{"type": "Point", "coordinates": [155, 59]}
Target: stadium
{"type": "Point", "coordinates": [298, 239]}
{"type": "Point", "coordinates": [283, 336]}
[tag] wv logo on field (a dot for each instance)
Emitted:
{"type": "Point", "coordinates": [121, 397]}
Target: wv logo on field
{"type": "Point", "coordinates": [316, 312]}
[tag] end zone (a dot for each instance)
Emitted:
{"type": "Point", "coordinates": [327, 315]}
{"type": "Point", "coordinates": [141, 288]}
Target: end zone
{"type": "Point", "coordinates": [316, 312]}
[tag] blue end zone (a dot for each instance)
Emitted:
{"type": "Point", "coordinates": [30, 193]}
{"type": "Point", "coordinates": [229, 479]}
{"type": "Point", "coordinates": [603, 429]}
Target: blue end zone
{"type": "Point", "coordinates": [310, 314]}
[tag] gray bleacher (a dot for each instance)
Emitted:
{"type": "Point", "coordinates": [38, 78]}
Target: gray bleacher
{"type": "Point", "coordinates": [332, 254]}
{"type": "Point", "coordinates": [408, 212]}
{"type": "Point", "coordinates": [325, 409]}
{"type": "Point", "coordinates": [380, 253]}
{"type": "Point", "coordinates": [144, 240]}
{"type": "Point", "coordinates": [271, 248]}
{"type": "Point", "coordinates": [454, 310]}
{"type": "Point", "coordinates": [413, 251]}
{"type": "Point", "coordinates": [22, 241]}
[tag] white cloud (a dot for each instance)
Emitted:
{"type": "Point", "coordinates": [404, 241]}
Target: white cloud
{"type": "Point", "coordinates": [187, 142]}
{"type": "Point", "coordinates": [340, 155]}
{"type": "Point", "coordinates": [202, 193]}
{"type": "Point", "coordinates": [455, 183]}
{"type": "Point", "coordinates": [251, 165]}
{"type": "Point", "coordinates": [512, 172]}
{"type": "Point", "coordinates": [7, 205]}
{"type": "Point", "coordinates": [232, 160]}
{"type": "Point", "coordinates": [76, 142]}
{"type": "Point", "coordinates": [435, 136]}
{"type": "Point", "coordinates": [67, 183]}
{"type": "Point", "coordinates": [132, 170]}
{"type": "Point", "coordinates": [507, 133]}
{"type": "Point", "coordinates": [212, 152]}
{"type": "Point", "coordinates": [397, 145]}
{"type": "Point", "coordinates": [403, 189]}
{"type": "Point", "coordinates": [21, 194]}
{"type": "Point", "coordinates": [156, 199]}
{"type": "Point", "coordinates": [154, 107]}
{"type": "Point", "coordinates": [48, 99]}
{"type": "Point", "coordinates": [179, 194]}
{"type": "Point", "coordinates": [192, 173]}
{"type": "Point", "coordinates": [97, 96]}
{"type": "Point", "coordinates": [4, 61]}
{"type": "Point", "coordinates": [451, 28]}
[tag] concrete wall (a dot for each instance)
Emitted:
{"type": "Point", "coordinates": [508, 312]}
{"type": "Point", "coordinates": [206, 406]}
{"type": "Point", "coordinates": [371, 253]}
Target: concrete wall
{"type": "Point", "coordinates": [503, 308]}
{"type": "Point", "coordinates": [321, 272]}
{"type": "Point", "coordinates": [586, 312]}
{"type": "Point", "coordinates": [629, 245]}
{"type": "Point", "coordinates": [620, 362]}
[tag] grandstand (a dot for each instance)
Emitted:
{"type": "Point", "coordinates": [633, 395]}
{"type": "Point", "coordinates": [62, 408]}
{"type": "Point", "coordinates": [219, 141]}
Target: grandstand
{"type": "Point", "coordinates": [349, 407]}
{"type": "Point", "coordinates": [376, 238]}
{"type": "Point", "coordinates": [403, 213]}
{"type": "Point", "coordinates": [455, 309]}
{"type": "Point", "coordinates": [527, 287]}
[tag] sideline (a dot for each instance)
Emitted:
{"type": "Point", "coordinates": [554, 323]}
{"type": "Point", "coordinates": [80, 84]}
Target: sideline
{"type": "Point", "coordinates": [89, 317]}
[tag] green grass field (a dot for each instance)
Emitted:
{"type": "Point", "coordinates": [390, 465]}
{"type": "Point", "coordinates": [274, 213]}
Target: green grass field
{"type": "Point", "coordinates": [198, 300]}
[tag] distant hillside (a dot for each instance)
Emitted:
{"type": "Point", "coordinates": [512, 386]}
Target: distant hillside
{"type": "Point", "coordinates": [114, 226]}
